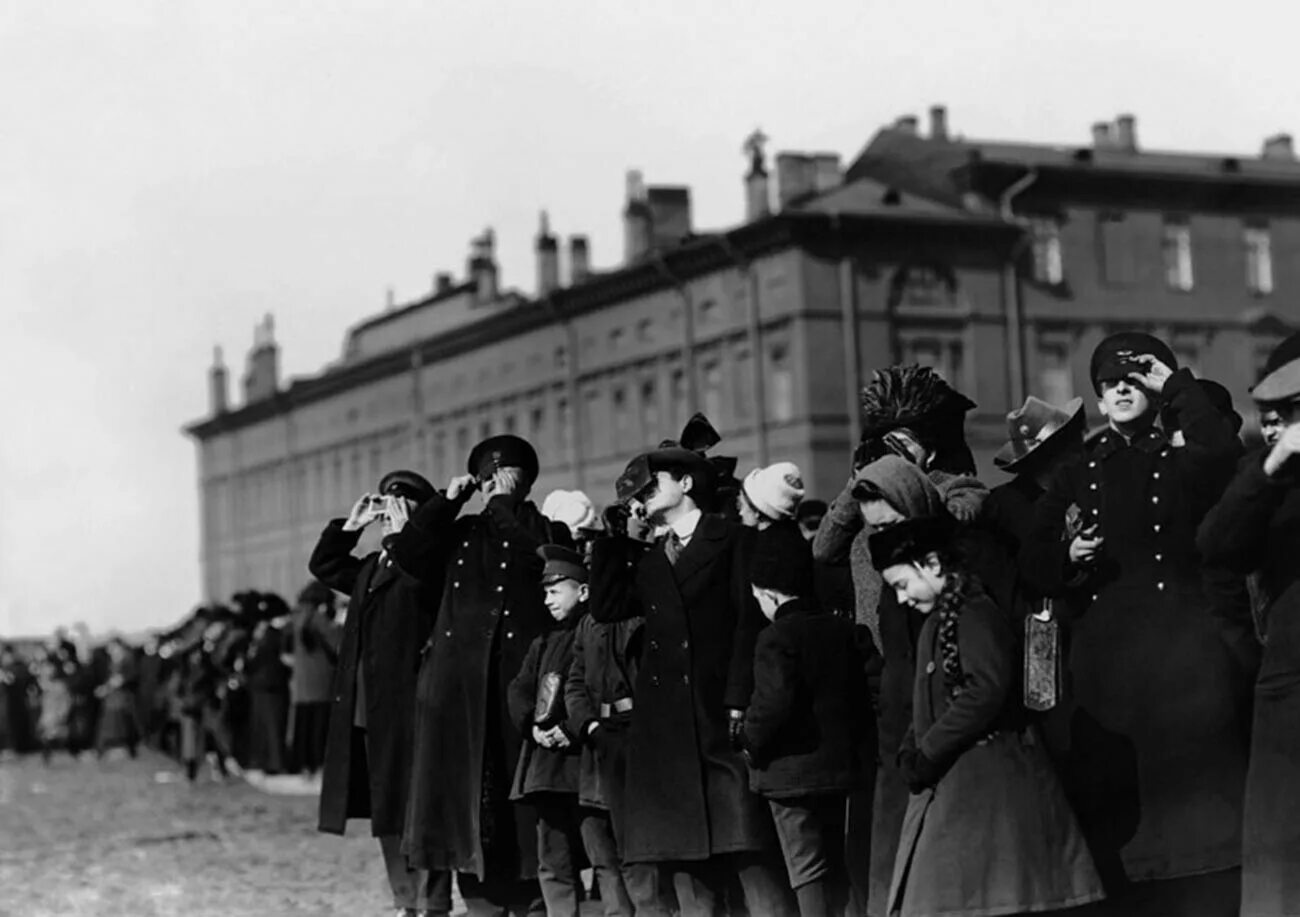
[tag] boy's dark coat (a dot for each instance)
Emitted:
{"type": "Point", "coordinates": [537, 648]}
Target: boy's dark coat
{"type": "Point", "coordinates": [545, 770]}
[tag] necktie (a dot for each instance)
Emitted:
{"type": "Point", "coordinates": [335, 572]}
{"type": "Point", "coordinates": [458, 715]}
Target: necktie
{"type": "Point", "coordinates": [673, 548]}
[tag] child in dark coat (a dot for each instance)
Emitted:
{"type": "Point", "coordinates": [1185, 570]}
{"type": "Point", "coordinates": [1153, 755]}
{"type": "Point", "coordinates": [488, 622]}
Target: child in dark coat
{"type": "Point", "coordinates": [809, 727]}
{"type": "Point", "coordinates": [548, 773]}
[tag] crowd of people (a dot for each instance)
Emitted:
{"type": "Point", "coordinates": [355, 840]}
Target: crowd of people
{"type": "Point", "coordinates": [245, 687]}
{"type": "Point", "coordinates": [1075, 691]}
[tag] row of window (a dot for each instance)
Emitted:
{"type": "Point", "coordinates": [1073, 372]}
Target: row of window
{"type": "Point", "coordinates": [618, 417]}
{"type": "Point", "coordinates": [1119, 259]}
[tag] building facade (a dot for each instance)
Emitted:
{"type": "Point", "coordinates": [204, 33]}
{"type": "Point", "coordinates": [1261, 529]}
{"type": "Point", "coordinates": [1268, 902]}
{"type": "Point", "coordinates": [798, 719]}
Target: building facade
{"type": "Point", "coordinates": [927, 250]}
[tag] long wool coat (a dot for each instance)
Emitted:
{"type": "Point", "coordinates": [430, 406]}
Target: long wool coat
{"type": "Point", "coordinates": [387, 624]}
{"type": "Point", "coordinates": [1256, 527]}
{"type": "Point", "coordinates": [466, 745]}
{"type": "Point", "coordinates": [688, 795]}
{"type": "Point", "coordinates": [995, 835]}
{"type": "Point", "coordinates": [1156, 760]}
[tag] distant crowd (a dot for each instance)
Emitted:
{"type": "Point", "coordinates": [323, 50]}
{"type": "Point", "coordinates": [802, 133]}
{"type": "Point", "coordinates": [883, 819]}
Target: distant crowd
{"type": "Point", "coordinates": [244, 687]}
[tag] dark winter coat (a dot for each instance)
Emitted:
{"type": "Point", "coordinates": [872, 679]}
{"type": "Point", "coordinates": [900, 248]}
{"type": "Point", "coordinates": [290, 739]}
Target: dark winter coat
{"type": "Point", "coordinates": [688, 794]}
{"type": "Point", "coordinates": [264, 670]}
{"type": "Point", "coordinates": [1156, 759]}
{"type": "Point", "coordinates": [809, 728]}
{"type": "Point", "coordinates": [544, 675]}
{"type": "Point", "coordinates": [995, 835]}
{"type": "Point", "coordinates": [605, 661]}
{"type": "Point", "coordinates": [388, 620]}
{"type": "Point", "coordinates": [466, 744]}
{"type": "Point", "coordinates": [1256, 528]}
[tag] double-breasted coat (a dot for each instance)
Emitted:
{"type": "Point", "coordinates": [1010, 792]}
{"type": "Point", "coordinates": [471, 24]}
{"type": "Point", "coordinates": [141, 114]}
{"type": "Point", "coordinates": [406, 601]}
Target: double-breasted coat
{"type": "Point", "coordinates": [687, 790]}
{"type": "Point", "coordinates": [1255, 528]}
{"type": "Point", "coordinates": [466, 745]}
{"type": "Point", "coordinates": [387, 623]}
{"type": "Point", "coordinates": [995, 835]}
{"type": "Point", "coordinates": [1156, 756]}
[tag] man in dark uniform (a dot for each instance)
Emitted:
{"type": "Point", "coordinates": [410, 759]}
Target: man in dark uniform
{"type": "Point", "coordinates": [459, 816]}
{"type": "Point", "coordinates": [689, 807]}
{"type": "Point", "coordinates": [368, 745]}
{"type": "Point", "coordinates": [1156, 759]}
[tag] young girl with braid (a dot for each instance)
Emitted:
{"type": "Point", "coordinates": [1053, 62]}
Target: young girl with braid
{"type": "Point", "coordinates": [988, 830]}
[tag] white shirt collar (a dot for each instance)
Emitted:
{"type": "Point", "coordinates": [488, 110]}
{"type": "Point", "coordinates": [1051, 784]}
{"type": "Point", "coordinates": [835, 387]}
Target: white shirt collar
{"type": "Point", "coordinates": [686, 525]}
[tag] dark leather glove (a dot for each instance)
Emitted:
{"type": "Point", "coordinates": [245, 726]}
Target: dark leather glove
{"type": "Point", "coordinates": [615, 518]}
{"type": "Point", "coordinates": [920, 772]}
{"type": "Point", "coordinates": [599, 737]}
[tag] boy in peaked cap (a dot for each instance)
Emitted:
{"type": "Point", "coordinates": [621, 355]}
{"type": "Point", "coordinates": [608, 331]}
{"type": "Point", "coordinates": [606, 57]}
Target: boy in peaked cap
{"type": "Point", "coordinates": [1155, 770]}
{"type": "Point", "coordinates": [808, 728]}
{"type": "Point", "coordinates": [548, 774]}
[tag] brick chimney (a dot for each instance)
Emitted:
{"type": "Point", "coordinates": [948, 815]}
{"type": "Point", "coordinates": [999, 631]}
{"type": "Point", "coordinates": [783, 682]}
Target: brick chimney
{"type": "Point", "coordinates": [1101, 138]}
{"type": "Point", "coordinates": [547, 248]}
{"type": "Point", "coordinates": [796, 177]}
{"type": "Point", "coordinates": [827, 173]}
{"type": "Point", "coordinates": [262, 376]}
{"type": "Point", "coordinates": [758, 203]}
{"type": "Point", "coordinates": [670, 214]}
{"type": "Point", "coordinates": [938, 122]}
{"type": "Point", "coordinates": [1126, 133]}
{"type": "Point", "coordinates": [579, 260]}
{"type": "Point", "coordinates": [218, 384]}
{"type": "Point", "coordinates": [483, 266]}
{"type": "Point", "coordinates": [1279, 148]}
{"type": "Point", "coordinates": [442, 283]}
{"type": "Point", "coordinates": [636, 218]}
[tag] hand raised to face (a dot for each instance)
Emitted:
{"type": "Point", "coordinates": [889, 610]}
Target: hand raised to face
{"type": "Point", "coordinates": [365, 511]}
{"type": "Point", "coordinates": [504, 481]}
{"type": "Point", "coordinates": [1155, 376]}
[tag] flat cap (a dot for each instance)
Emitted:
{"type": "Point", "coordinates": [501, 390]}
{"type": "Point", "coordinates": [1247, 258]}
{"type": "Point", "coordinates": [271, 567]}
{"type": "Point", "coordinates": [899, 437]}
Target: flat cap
{"type": "Point", "coordinates": [561, 563]}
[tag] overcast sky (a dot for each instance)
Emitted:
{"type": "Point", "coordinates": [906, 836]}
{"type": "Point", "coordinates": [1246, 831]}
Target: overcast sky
{"type": "Point", "coordinates": [171, 170]}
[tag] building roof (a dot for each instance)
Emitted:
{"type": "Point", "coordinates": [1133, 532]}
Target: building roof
{"type": "Point", "coordinates": [862, 207]}
{"type": "Point", "coordinates": [945, 169]}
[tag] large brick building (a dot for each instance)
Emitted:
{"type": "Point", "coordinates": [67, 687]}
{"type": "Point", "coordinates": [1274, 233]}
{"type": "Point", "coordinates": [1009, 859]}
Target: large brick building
{"type": "Point", "coordinates": [999, 264]}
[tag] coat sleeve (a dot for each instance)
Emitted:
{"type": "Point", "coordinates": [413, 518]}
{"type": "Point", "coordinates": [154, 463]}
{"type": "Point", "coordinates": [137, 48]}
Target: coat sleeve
{"type": "Point", "coordinates": [963, 496]}
{"type": "Point", "coordinates": [421, 548]}
{"type": "Point", "coordinates": [985, 645]}
{"type": "Point", "coordinates": [840, 525]}
{"type": "Point", "coordinates": [613, 579]}
{"type": "Point", "coordinates": [776, 664]}
{"type": "Point", "coordinates": [1233, 534]}
{"type": "Point", "coordinates": [332, 561]}
{"type": "Point", "coordinates": [749, 623]}
{"type": "Point", "coordinates": [1211, 447]}
{"type": "Point", "coordinates": [1044, 557]}
{"type": "Point", "coordinates": [523, 688]}
{"type": "Point", "coordinates": [578, 703]}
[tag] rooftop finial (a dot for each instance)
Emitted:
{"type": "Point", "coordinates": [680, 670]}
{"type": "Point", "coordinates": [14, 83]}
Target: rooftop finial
{"type": "Point", "coordinates": [753, 146]}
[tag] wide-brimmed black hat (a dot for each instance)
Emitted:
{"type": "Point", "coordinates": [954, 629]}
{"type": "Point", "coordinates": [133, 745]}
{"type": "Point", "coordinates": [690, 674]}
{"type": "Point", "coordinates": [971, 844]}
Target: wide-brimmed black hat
{"type": "Point", "coordinates": [1115, 357]}
{"type": "Point", "coordinates": [406, 484]}
{"type": "Point", "coordinates": [911, 539]}
{"type": "Point", "coordinates": [504, 451]}
{"type": "Point", "coordinates": [1281, 377]}
{"type": "Point", "coordinates": [561, 563]}
{"type": "Point", "coordinates": [1034, 429]}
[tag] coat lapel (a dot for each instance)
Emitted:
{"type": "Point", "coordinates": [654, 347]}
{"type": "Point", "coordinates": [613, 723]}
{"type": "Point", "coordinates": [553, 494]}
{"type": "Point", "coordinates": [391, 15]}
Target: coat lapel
{"type": "Point", "coordinates": [382, 572]}
{"type": "Point", "coordinates": [709, 538]}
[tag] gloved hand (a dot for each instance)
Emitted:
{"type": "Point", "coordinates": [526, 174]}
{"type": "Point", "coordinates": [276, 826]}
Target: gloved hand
{"type": "Point", "coordinates": [918, 771]}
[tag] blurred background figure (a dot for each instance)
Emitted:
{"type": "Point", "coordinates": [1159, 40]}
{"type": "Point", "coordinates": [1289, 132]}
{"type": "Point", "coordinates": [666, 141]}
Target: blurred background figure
{"type": "Point", "coordinates": [267, 678]}
{"type": "Point", "coordinates": [15, 719]}
{"type": "Point", "coordinates": [55, 706]}
{"type": "Point", "coordinates": [313, 653]}
{"type": "Point", "coordinates": [118, 725]}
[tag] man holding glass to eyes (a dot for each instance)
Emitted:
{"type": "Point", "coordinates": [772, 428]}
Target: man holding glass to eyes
{"type": "Point", "coordinates": [459, 816]}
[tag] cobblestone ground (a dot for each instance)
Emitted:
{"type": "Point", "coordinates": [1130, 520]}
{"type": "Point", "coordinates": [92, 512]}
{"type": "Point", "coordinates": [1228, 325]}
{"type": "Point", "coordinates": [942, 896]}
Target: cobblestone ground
{"type": "Point", "coordinates": [108, 839]}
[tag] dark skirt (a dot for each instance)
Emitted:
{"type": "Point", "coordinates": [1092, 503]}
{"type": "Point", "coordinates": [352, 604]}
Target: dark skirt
{"type": "Point", "coordinates": [267, 725]}
{"type": "Point", "coordinates": [310, 724]}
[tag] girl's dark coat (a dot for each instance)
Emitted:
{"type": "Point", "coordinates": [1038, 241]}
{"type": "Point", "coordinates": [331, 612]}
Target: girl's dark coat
{"type": "Point", "coordinates": [387, 623]}
{"type": "Point", "coordinates": [687, 790]}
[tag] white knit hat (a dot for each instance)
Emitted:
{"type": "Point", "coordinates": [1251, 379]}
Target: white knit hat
{"type": "Point", "coordinates": [572, 508]}
{"type": "Point", "coordinates": [775, 491]}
